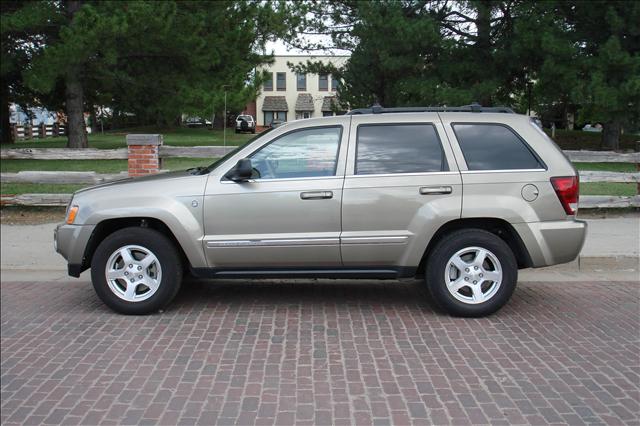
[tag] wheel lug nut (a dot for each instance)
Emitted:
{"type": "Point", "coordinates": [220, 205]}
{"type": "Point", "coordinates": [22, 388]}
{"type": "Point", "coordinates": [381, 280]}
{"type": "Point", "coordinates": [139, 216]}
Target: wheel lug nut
{"type": "Point", "coordinates": [139, 268]}
{"type": "Point", "coordinates": [475, 282]}
{"type": "Point", "coordinates": [475, 267]}
{"type": "Point", "coordinates": [140, 276]}
{"type": "Point", "coordinates": [130, 265]}
{"type": "Point", "coordinates": [132, 280]}
{"type": "Point", "coordinates": [466, 269]}
{"type": "Point", "coordinates": [481, 275]}
{"type": "Point", "coordinates": [126, 273]}
{"type": "Point", "coordinates": [466, 278]}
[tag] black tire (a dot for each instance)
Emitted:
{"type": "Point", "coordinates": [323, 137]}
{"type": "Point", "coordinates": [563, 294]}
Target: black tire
{"type": "Point", "coordinates": [167, 255]}
{"type": "Point", "coordinates": [446, 248]}
{"type": "Point", "coordinates": [253, 130]}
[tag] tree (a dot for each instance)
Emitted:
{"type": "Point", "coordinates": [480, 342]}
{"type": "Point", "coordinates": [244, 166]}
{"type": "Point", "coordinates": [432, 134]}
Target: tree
{"type": "Point", "coordinates": [607, 36]}
{"type": "Point", "coordinates": [154, 60]}
{"type": "Point", "coordinates": [23, 30]}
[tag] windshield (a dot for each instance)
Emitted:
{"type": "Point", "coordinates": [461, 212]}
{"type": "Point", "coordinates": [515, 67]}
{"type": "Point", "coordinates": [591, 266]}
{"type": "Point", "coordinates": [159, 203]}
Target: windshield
{"type": "Point", "coordinates": [224, 158]}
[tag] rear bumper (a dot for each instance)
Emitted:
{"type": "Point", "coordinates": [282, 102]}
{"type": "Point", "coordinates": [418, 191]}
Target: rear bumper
{"type": "Point", "coordinates": [552, 243]}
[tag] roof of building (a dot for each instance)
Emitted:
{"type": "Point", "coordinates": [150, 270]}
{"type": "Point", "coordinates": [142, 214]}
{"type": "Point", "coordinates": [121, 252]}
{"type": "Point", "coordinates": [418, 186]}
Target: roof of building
{"type": "Point", "coordinates": [304, 102]}
{"type": "Point", "coordinates": [275, 103]}
{"type": "Point", "coordinates": [329, 103]}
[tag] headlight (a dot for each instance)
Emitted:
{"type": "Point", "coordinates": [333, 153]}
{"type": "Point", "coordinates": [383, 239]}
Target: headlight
{"type": "Point", "coordinates": [71, 214]}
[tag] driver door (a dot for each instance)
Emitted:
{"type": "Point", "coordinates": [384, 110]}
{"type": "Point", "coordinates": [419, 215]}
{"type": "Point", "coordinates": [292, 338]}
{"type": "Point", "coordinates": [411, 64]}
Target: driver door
{"type": "Point", "coordinates": [288, 214]}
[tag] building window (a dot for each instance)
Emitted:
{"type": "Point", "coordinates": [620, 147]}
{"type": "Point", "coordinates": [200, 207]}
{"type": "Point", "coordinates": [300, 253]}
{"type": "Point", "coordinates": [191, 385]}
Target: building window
{"type": "Point", "coordinates": [301, 82]}
{"type": "Point", "coordinates": [270, 116]}
{"type": "Point", "coordinates": [323, 82]}
{"type": "Point", "coordinates": [268, 82]}
{"type": "Point", "coordinates": [335, 83]}
{"type": "Point", "coordinates": [281, 81]}
{"type": "Point", "coordinates": [303, 114]}
{"type": "Point", "coordinates": [327, 113]}
{"type": "Point", "coordinates": [398, 148]}
{"type": "Point", "coordinates": [494, 147]}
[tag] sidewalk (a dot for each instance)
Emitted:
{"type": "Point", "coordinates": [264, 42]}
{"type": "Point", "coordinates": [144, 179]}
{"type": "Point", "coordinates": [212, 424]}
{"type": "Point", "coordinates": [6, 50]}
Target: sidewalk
{"type": "Point", "coordinates": [612, 246]}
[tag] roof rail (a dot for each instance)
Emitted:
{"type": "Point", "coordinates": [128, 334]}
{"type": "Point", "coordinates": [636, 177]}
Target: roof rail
{"type": "Point", "coordinates": [475, 107]}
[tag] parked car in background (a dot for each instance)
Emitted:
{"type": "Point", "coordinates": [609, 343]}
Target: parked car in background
{"type": "Point", "coordinates": [460, 197]}
{"type": "Point", "coordinates": [196, 122]}
{"type": "Point", "coordinates": [245, 123]}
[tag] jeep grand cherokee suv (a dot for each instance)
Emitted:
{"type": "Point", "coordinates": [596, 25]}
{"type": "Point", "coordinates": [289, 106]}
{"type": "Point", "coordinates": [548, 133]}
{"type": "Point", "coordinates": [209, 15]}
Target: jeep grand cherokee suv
{"type": "Point", "coordinates": [460, 197]}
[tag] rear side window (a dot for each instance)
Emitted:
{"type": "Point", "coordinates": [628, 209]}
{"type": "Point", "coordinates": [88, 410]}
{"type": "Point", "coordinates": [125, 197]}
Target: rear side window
{"type": "Point", "coordinates": [494, 147]}
{"type": "Point", "coordinates": [398, 148]}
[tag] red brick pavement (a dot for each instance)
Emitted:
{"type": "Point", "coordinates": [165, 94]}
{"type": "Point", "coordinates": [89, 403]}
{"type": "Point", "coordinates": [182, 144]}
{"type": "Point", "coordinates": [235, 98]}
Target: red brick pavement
{"type": "Point", "coordinates": [320, 353]}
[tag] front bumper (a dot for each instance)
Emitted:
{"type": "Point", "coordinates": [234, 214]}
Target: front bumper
{"type": "Point", "coordinates": [71, 241]}
{"type": "Point", "coordinates": [554, 242]}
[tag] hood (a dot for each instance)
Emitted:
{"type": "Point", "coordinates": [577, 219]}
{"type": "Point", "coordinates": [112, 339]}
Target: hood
{"type": "Point", "coordinates": [150, 178]}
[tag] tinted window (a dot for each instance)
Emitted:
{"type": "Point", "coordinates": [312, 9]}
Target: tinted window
{"type": "Point", "coordinates": [398, 148]}
{"type": "Point", "coordinates": [493, 147]}
{"type": "Point", "coordinates": [305, 153]}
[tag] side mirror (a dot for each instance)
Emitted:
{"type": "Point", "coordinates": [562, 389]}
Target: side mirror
{"type": "Point", "coordinates": [242, 171]}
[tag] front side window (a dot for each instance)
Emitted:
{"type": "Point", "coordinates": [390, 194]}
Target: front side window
{"type": "Point", "coordinates": [398, 148]}
{"type": "Point", "coordinates": [305, 153]}
{"type": "Point", "coordinates": [494, 147]}
{"type": "Point", "coordinates": [281, 81]}
{"type": "Point", "coordinates": [268, 82]}
{"type": "Point", "coordinates": [323, 82]}
{"type": "Point", "coordinates": [301, 82]}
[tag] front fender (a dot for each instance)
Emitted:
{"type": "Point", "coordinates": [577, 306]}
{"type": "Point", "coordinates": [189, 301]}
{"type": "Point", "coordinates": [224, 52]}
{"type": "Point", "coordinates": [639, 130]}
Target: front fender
{"type": "Point", "coordinates": [182, 214]}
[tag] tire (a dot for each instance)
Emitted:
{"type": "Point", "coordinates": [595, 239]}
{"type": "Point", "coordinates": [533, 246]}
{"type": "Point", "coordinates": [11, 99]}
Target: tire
{"type": "Point", "coordinates": [163, 274]}
{"type": "Point", "coordinates": [485, 296]}
{"type": "Point", "coordinates": [253, 130]}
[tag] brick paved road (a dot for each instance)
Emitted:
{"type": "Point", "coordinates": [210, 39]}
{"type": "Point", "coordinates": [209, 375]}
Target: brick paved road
{"type": "Point", "coordinates": [320, 353]}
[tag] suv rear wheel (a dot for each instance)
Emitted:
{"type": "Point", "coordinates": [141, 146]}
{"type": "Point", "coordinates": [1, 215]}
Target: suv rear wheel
{"type": "Point", "coordinates": [471, 273]}
{"type": "Point", "coordinates": [136, 271]}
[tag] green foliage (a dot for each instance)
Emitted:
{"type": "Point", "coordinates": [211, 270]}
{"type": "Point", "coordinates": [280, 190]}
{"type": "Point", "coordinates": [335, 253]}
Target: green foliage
{"type": "Point", "coordinates": [152, 59]}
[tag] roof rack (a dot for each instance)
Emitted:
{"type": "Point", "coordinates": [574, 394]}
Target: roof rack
{"type": "Point", "coordinates": [475, 107]}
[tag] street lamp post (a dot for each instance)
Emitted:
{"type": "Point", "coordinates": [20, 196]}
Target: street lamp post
{"type": "Point", "coordinates": [224, 123]}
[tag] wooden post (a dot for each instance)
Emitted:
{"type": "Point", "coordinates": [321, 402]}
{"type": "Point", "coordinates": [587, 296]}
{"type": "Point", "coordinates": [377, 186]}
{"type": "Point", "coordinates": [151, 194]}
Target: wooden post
{"type": "Point", "coordinates": [143, 154]}
{"type": "Point", "coordinates": [43, 130]}
{"type": "Point", "coordinates": [28, 130]}
{"type": "Point", "coordinates": [638, 167]}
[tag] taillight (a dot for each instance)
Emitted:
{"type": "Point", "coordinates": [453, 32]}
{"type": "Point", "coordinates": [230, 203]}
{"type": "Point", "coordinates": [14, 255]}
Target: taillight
{"type": "Point", "coordinates": [567, 189]}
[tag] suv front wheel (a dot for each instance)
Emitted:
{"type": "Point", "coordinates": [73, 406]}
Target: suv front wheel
{"type": "Point", "coordinates": [136, 271]}
{"type": "Point", "coordinates": [471, 273]}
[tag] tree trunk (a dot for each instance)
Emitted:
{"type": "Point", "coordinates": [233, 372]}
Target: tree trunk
{"type": "Point", "coordinates": [483, 48]}
{"type": "Point", "coordinates": [77, 132]}
{"type": "Point", "coordinates": [74, 94]}
{"type": "Point", "coordinates": [6, 114]}
{"type": "Point", "coordinates": [611, 135]}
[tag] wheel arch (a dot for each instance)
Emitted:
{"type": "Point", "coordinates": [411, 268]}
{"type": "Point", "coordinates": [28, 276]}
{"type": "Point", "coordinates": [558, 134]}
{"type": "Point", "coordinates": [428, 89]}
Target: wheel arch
{"type": "Point", "coordinates": [498, 227]}
{"type": "Point", "coordinates": [107, 227]}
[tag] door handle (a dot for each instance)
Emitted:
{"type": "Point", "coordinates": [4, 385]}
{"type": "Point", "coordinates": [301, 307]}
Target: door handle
{"type": "Point", "coordinates": [316, 195]}
{"type": "Point", "coordinates": [435, 190]}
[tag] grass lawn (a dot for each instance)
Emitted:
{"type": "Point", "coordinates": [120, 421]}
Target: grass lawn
{"type": "Point", "coordinates": [179, 136]}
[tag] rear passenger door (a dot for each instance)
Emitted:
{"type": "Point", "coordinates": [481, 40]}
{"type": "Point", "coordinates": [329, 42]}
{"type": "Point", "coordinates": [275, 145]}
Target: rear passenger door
{"type": "Point", "coordinates": [401, 185]}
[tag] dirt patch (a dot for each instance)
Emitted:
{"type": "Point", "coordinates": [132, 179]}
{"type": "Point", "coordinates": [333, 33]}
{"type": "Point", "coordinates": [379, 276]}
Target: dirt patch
{"type": "Point", "coordinates": [31, 215]}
